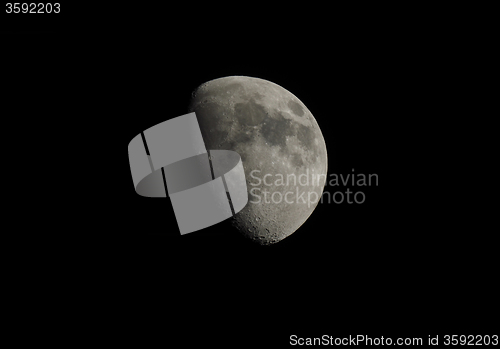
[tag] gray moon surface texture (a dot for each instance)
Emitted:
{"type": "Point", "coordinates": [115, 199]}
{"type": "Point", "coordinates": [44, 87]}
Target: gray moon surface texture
{"type": "Point", "coordinates": [277, 138]}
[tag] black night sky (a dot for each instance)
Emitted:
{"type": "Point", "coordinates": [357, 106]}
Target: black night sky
{"type": "Point", "coordinates": [94, 87]}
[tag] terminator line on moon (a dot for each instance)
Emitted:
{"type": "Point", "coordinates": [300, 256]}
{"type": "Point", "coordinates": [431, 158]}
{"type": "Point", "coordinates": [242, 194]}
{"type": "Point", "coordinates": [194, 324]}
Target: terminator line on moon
{"type": "Point", "coordinates": [274, 133]}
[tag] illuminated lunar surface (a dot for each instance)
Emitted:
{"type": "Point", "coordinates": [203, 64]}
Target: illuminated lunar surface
{"type": "Point", "coordinates": [277, 138]}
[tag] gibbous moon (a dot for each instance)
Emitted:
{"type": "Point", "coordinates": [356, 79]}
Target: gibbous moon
{"type": "Point", "coordinates": [281, 145]}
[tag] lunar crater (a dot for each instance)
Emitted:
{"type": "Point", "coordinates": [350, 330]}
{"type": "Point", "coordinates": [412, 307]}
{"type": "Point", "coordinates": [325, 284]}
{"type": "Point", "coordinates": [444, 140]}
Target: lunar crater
{"type": "Point", "coordinates": [296, 108]}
